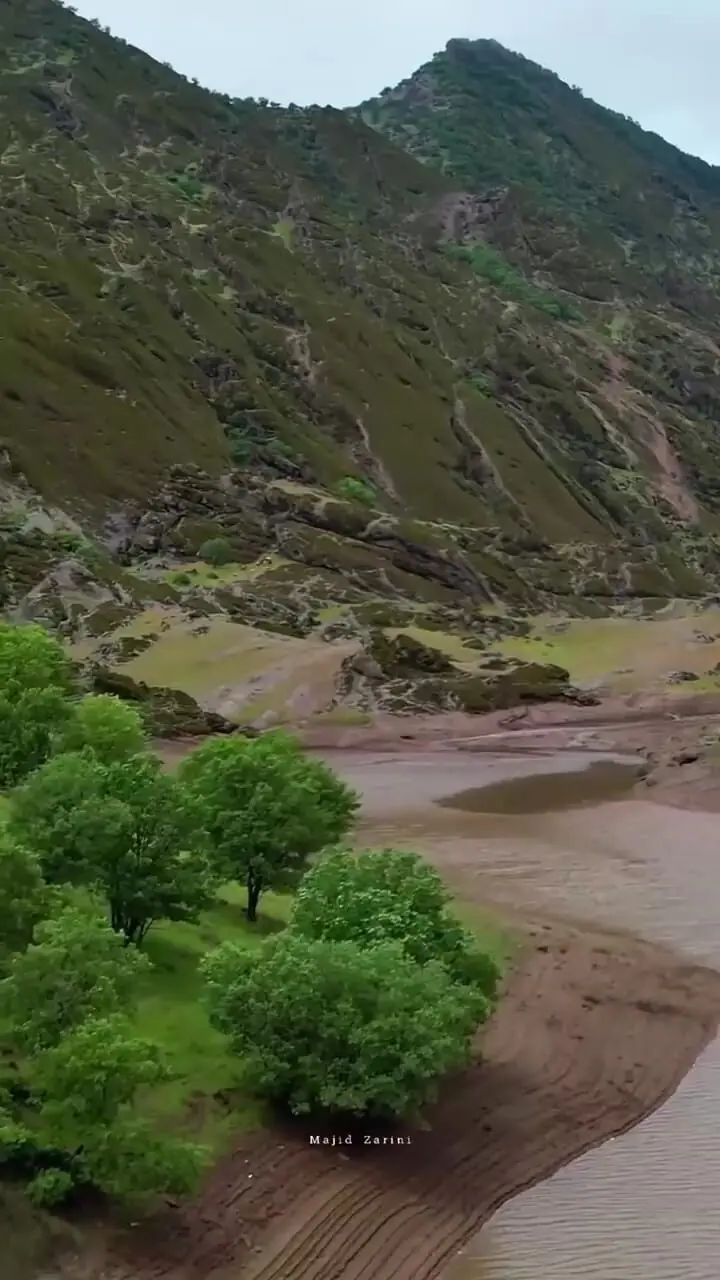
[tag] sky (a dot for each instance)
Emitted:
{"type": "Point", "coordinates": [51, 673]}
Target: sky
{"type": "Point", "coordinates": [654, 60]}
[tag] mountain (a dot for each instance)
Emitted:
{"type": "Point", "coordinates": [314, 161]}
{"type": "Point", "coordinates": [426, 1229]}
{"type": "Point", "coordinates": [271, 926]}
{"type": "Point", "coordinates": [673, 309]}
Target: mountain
{"type": "Point", "coordinates": [603, 207]}
{"type": "Point", "coordinates": [456, 345]}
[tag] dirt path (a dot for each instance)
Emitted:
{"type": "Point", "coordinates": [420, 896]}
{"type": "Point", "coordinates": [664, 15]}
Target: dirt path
{"type": "Point", "coordinates": [594, 1032]}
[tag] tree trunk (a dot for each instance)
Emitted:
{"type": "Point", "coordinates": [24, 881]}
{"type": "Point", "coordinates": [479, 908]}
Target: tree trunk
{"type": "Point", "coordinates": [253, 897]}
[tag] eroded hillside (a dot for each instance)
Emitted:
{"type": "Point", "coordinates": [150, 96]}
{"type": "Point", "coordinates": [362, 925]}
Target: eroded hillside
{"type": "Point", "coordinates": [452, 352]}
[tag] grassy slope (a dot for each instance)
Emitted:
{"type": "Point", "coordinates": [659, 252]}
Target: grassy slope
{"type": "Point", "coordinates": [190, 278]}
{"type": "Point", "coordinates": [582, 199]}
{"type": "Point", "coordinates": [205, 1095]}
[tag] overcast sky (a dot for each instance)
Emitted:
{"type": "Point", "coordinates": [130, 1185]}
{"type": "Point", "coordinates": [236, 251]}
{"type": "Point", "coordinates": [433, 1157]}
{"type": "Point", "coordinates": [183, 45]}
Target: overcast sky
{"type": "Point", "coordinates": [655, 60]}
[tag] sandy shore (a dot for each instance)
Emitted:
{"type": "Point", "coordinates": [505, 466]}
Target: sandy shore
{"type": "Point", "coordinates": [594, 1032]}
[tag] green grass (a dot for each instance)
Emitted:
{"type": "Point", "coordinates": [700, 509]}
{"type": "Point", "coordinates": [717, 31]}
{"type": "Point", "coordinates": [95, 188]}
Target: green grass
{"type": "Point", "coordinates": [587, 648]}
{"type": "Point", "coordinates": [492, 933]}
{"type": "Point", "coordinates": [347, 717]}
{"type": "Point", "coordinates": [202, 574]}
{"type": "Point", "coordinates": [204, 1094]}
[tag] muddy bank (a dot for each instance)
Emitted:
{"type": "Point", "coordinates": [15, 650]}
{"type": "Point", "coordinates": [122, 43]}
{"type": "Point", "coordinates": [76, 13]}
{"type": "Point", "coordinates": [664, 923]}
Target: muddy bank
{"type": "Point", "coordinates": [629, 721]}
{"type": "Point", "coordinates": [592, 1035]}
{"type": "Point", "coordinates": [595, 1031]}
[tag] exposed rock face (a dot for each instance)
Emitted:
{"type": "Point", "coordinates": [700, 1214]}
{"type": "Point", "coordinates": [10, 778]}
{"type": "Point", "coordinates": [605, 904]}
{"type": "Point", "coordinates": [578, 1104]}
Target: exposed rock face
{"type": "Point", "coordinates": [404, 656]}
{"type": "Point", "coordinates": [403, 675]}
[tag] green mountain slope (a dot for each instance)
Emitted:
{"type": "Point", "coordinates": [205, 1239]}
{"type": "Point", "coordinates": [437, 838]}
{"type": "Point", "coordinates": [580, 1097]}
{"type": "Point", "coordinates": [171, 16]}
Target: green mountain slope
{"type": "Point", "coordinates": [647, 215]}
{"type": "Point", "coordinates": [289, 298]}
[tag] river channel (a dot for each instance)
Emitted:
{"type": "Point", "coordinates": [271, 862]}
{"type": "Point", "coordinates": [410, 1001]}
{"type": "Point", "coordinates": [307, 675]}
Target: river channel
{"type": "Point", "coordinates": [574, 840]}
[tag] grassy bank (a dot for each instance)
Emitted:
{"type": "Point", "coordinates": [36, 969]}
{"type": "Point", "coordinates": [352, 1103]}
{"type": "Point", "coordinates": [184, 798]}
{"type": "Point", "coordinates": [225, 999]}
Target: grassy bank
{"type": "Point", "coordinates": [205, 1096]}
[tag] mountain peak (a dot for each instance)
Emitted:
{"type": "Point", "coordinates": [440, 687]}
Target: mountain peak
{"type": "Point", "coordinates": [481, 304]}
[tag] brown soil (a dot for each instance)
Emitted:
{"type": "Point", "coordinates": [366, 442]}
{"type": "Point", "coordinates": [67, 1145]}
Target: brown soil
{"type": "Point", "coordinates": [629, 722]}
{"type": "Point", "coordinates": [593, 1033]}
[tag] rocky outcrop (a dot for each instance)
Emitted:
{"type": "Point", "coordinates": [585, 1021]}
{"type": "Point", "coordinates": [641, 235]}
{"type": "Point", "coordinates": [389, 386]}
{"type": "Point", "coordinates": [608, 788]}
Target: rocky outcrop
{"type": "Point", "coordinates": [170, 713]}
{"type": "Point", "coordinates": [403, 675]}
{"type": "Point", "coordinates": [352, 521]}
{"type": "Point", "coordinates": [404, 656]}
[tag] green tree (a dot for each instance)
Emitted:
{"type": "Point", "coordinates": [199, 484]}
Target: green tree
{"type": "Point", "coordinates": [36, 679]}
{"type": "Point", "coordinates": [338, 1027]}
{"type": "Point", "coordinates": [267, 808]}
{"type": "Point", "coordinates": [384, 895]}
{"type": "Point", "coordinates": [76, 968]}
{"type": "Point", "coordinates": [125, 828]}
{"type": "Point", "coordinates": [23, 895]}
{"type": "Point", "coordinates": [84, 1089]}
{"type": "Point", "coordinates": [112, 729]}
{"type": "Point", "coordinates": [216, 551]}
{"type": "Point", "coordinates": [33, 659]}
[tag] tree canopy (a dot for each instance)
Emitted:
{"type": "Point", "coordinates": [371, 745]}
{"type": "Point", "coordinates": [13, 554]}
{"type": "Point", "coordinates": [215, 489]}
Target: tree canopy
{"type": "Point", "coordinates": [36, 678]}
{"type": "Point", "coordinates": [112, 729]}
{"type": "Point", "coordinates": [84, 1089]}
{"type": "Point", "coordinates": [337, 1027]}
{"type": "Point", "coordinates": [76, 968]}
{"type": "Point", "coordinates": [386, 895]}
{"type": "Point", "coordinates": [125, 828]}
{"type": "Point", "coordinates": [267, 807]}
{"type": "Point", "coordinates": [30, 658]}
{"type": "Point", "coordinates": [67, 1005]}
{"type": "Point", "coordinates": [23, 895]}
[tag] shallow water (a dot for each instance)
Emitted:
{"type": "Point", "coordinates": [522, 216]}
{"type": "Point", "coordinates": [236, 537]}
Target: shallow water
{"type": "Point", "coordinates": [602, 780]}
{"type": "Point", "coordinates": [645, 1206]}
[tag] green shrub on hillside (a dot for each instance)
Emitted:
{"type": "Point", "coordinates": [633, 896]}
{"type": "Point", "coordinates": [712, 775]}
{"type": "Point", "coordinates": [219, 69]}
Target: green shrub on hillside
{"type": "Point", "coordinates": [493, 267]}
{"type": "Point", "coordinates": [216, 551]}
{"type": "Point", "coordinates": [357, 490]}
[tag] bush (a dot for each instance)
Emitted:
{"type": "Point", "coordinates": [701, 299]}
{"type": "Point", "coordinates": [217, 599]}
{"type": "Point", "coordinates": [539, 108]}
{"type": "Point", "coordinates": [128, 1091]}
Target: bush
{"type": "Point", "coordinates": [50, 1188]}
{"type": "Point", "coordinates": [76, 968]}
{"type": "Point", "coordinates": [386, 896]}
{"type": "Point", "coordinates": [337, 1027]}
{"type": "Point", "coordinates": [84, 1089]}
{"type": "Point", "coordinates": [112, 729]}
{"type": "Point", "coordinates": [216, 551]}
{"type": "Point", "coordinates": [267, 807]}
{"type": "Point", "coordinates": [357, 490]}
{"type": "Point", "coordinates": [24, 897]}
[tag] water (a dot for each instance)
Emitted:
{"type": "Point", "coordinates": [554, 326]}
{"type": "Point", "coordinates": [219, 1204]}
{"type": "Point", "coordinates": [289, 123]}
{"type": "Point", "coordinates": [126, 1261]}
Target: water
{"type": "Point", "coordinates": [645, 1206]}
{"type": "Point", "coordinates": [547, 792]}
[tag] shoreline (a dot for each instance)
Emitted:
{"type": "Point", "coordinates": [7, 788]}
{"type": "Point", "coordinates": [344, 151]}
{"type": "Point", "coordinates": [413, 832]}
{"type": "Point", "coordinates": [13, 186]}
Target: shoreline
{"type": "Point", "coordinates": [595, 1032]}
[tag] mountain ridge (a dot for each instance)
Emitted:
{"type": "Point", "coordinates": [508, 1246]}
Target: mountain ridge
{"type": "Point", "coordinates": [283, 297]}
